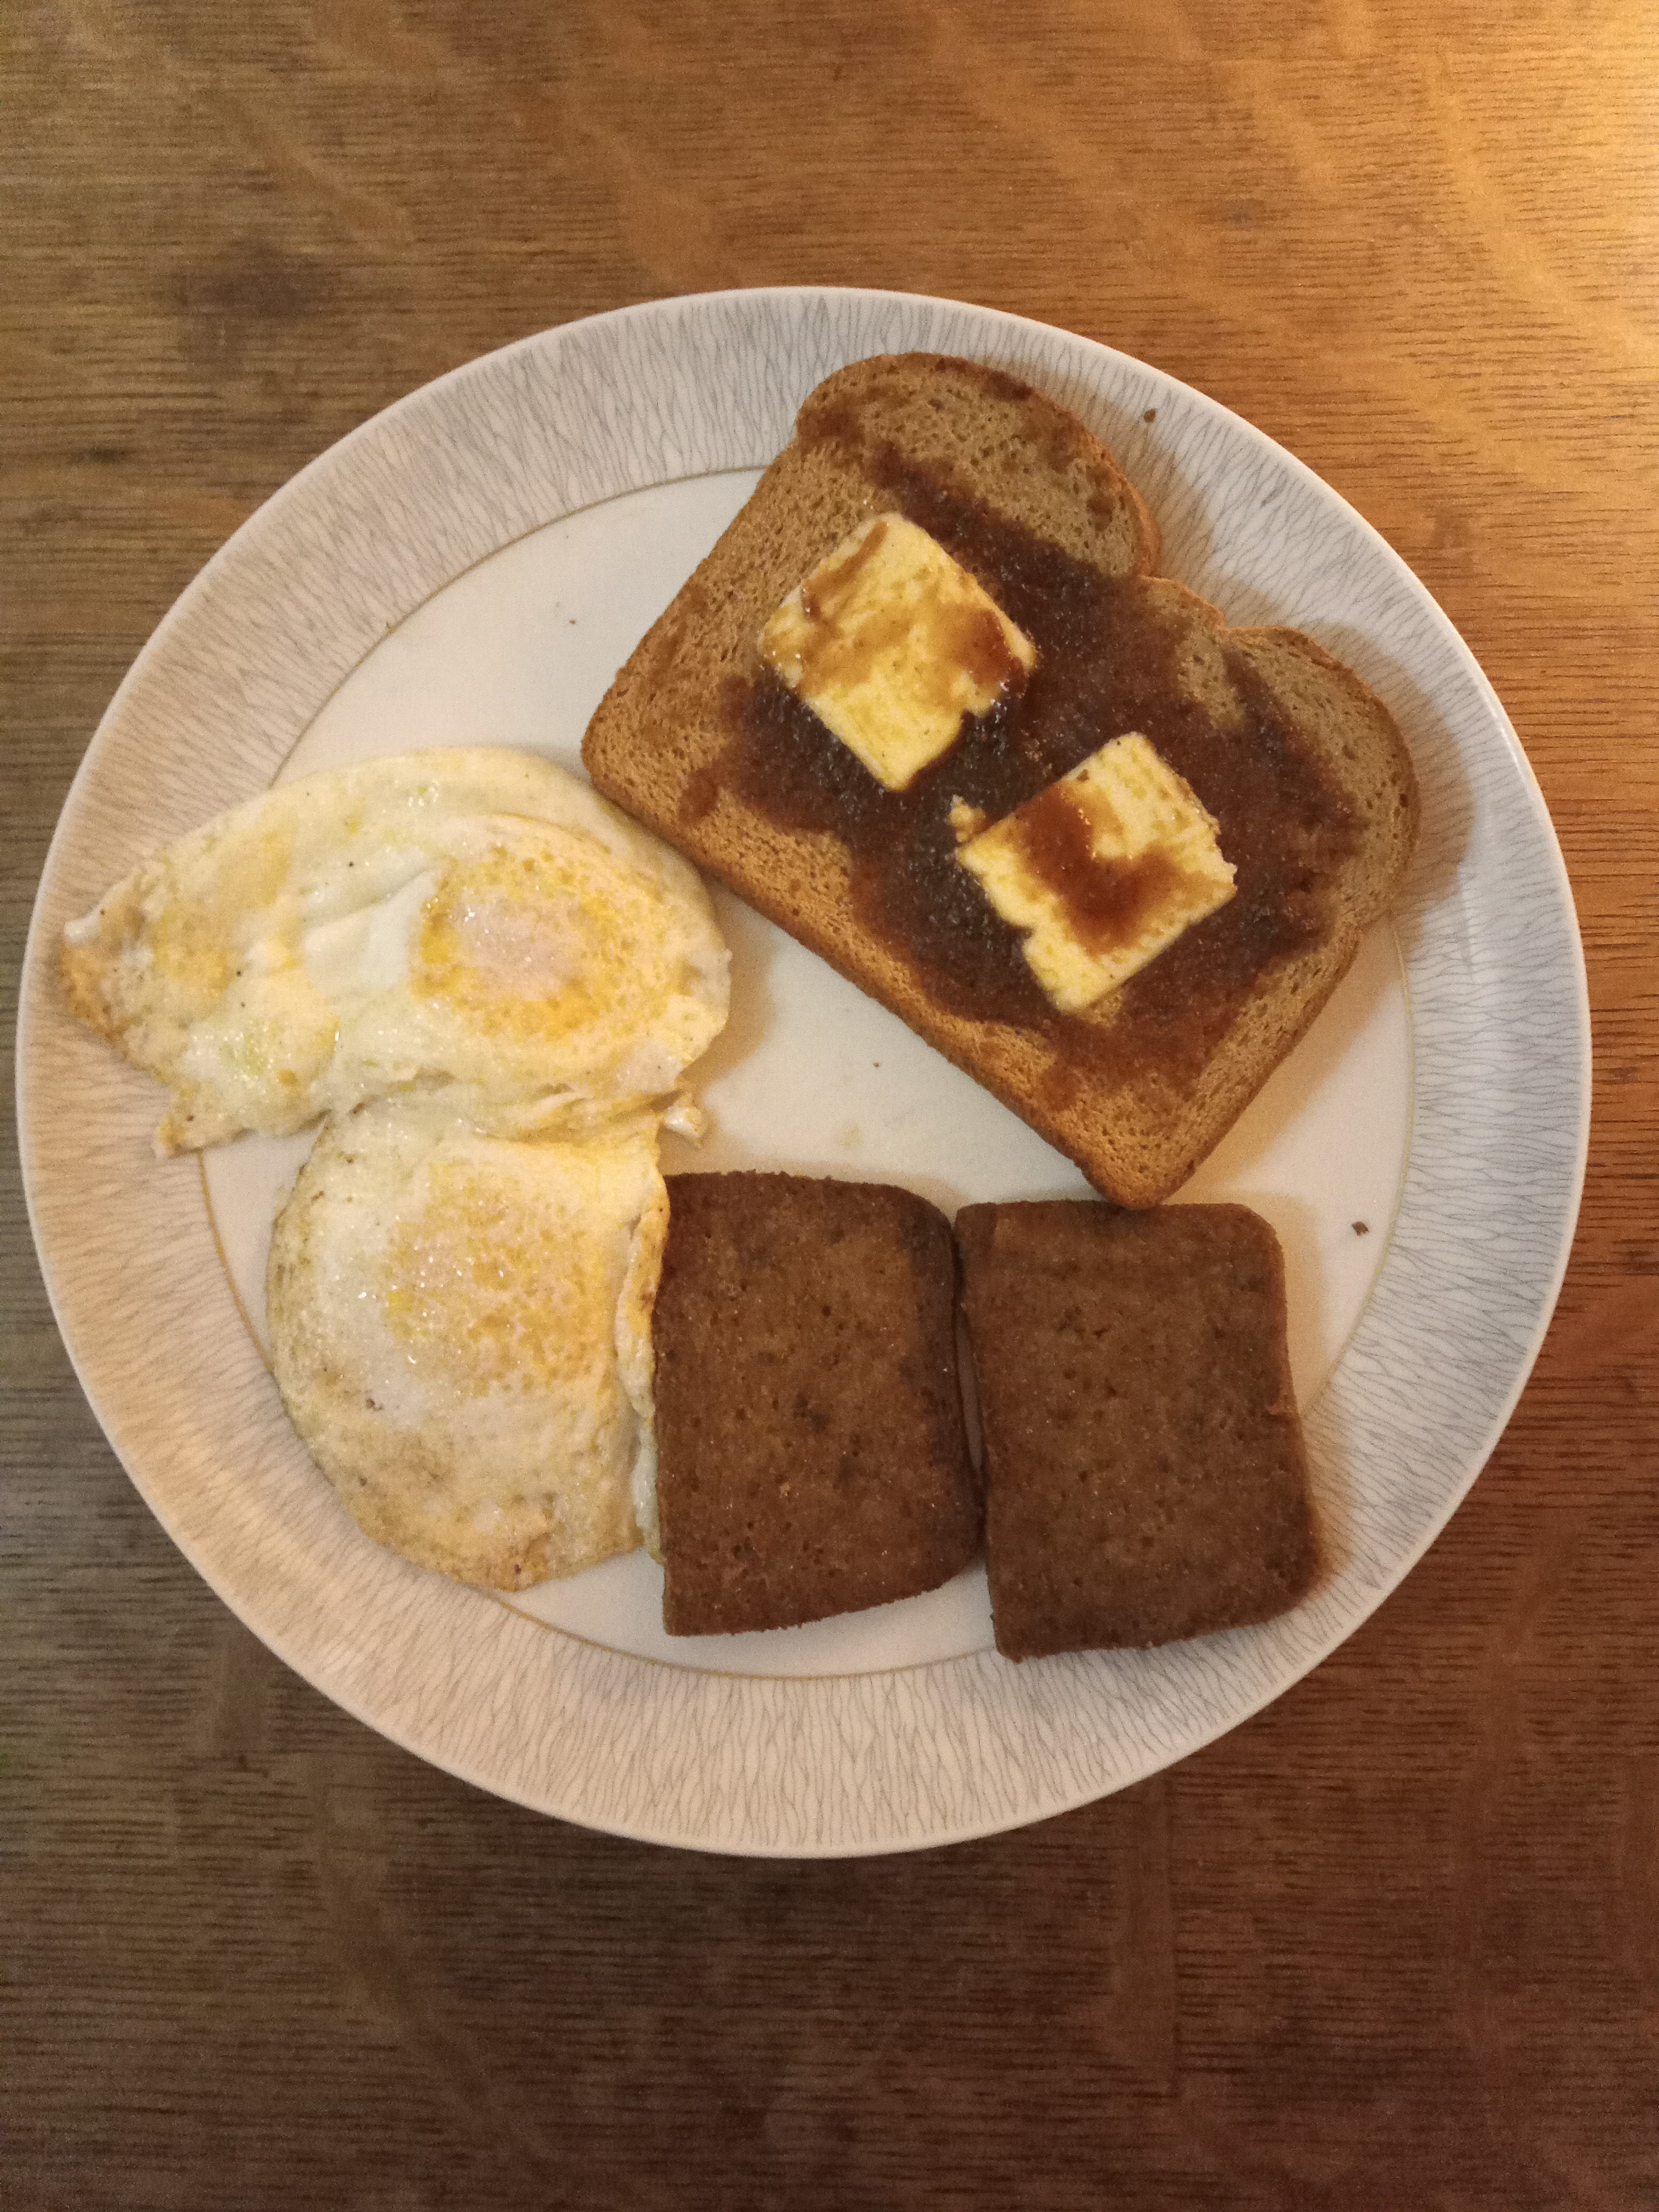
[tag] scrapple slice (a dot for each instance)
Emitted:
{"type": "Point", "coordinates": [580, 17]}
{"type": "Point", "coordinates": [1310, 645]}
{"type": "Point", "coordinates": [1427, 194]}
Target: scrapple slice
{"type": "Point", "coordinates": [1146, 1473]}
{"type": "Point", "coordinates": [811, 1457]}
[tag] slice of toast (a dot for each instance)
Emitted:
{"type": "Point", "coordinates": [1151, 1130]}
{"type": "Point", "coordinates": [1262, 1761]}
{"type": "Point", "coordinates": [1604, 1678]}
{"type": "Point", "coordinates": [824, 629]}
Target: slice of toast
{"type": "Point", "coordinates": [811, 1453]}
{"type": "Point", "coordinates": [1298, 763]}
{"type": "Point", "coordinates": [1145, 1471]}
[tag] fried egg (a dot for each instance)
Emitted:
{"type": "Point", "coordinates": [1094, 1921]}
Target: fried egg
{"type": "Point", "coordinates": [460, 1330]}
{"type": "Point", "coordinates": [474, 924]}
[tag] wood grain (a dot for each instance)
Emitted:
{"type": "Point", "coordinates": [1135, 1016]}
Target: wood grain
{"type": "Point", "coordinates": [1392, 1944]}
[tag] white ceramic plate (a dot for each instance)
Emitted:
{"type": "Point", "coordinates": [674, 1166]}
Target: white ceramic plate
{"type": "Point", "coordinates": [470, 567]}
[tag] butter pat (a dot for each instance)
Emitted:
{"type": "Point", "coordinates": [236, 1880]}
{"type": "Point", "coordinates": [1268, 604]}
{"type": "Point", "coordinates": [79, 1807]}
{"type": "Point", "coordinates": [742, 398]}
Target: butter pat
{"type": "Point", "coordinates": [891, 643]}
{"type": "Point", "coordinates": [1103, 870]}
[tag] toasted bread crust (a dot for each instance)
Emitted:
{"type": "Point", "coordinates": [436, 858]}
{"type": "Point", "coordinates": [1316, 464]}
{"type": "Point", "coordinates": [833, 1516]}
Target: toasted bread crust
{"type": "Point", "coordinates": [656, 741]}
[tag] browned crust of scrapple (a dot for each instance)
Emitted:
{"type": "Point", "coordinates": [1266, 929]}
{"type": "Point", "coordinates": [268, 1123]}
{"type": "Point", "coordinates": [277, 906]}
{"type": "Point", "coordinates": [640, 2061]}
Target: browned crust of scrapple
{"type": "Point", "coordinates": [661, 728]}
{"type": "Point", "coordinates": [1145, 1475]}
{"type": "Point", "coordinates": [811, 1453]}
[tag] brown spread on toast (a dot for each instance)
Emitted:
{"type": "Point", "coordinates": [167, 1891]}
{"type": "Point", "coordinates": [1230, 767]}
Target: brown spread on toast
{"type": "Point", "coordinates": [1106, 663]}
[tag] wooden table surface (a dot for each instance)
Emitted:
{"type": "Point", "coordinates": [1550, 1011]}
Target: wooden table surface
{"type": "Point", "coordinates": [1395, 1943]}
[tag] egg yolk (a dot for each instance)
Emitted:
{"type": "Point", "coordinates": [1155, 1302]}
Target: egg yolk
{"type": "Point", "coordinates": [508, 942]}
{"type": "Point", "coordinates": [484, 1293]}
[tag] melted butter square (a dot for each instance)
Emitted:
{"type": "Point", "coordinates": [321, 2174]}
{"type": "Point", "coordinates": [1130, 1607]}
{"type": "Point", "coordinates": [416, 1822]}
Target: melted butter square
{"type": "Point", "coordinates": [1103, 871]}
{"type": "Point", "coordinates": [891, 643]}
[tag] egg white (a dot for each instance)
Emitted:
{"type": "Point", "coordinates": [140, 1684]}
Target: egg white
{"type": "Point", "coordinates": [460, 1330]}
{"type": "Point", "coordinates": [473, 924]}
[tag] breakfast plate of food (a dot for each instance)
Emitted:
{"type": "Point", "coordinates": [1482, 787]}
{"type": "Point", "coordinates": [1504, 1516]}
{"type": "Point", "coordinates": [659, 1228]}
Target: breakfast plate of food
{"type": "Point", "coordinates": [845, 1053]}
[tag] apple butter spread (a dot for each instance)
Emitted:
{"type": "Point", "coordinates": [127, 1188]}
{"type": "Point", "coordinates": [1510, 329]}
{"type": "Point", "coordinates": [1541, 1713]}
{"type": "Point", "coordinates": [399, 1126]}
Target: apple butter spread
{"type": "Point", "coordinates": [1106, 664]}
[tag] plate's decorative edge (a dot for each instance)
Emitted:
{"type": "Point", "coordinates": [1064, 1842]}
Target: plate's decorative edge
{"type": "Point", "coordinates": [939, 1753]}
